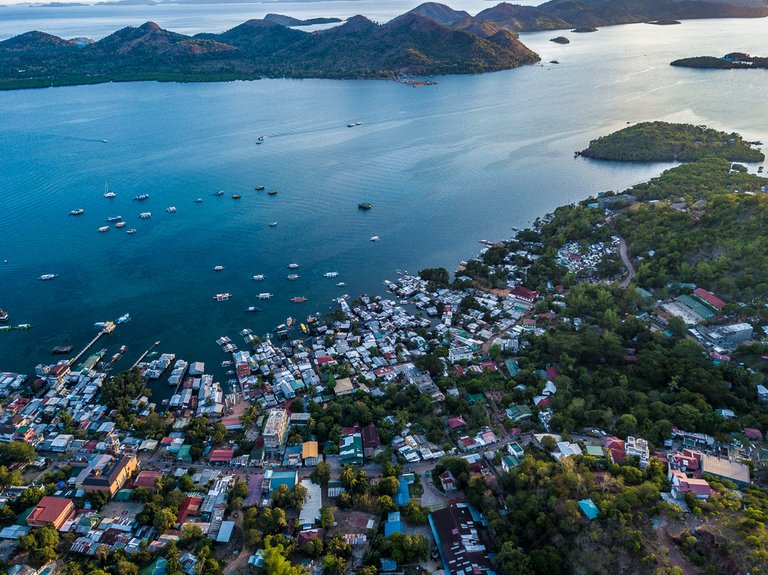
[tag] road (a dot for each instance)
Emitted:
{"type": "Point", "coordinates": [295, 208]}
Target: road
{"type": "Point", "coordinates": [625, 258]}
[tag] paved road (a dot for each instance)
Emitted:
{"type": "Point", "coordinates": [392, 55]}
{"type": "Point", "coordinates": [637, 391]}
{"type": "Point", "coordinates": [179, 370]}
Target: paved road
{"type": "Point", "coordinates": [625, 258]}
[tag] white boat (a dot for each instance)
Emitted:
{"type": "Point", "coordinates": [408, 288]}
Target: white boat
{"type": "Point", "coordinates": [145, 215]}
{"type": "Point", "coordinates": [272, 224]}
{"type": "Point", "coordinates": [131, 231]}
{"type": "Point", "coordinates": [171, 209]}
{"type": "Point", "coordinates": [46, 277]}
{"type": "Point", "coordinates": [331, 274]}
{"type": "Point", "coordinates": [103, 229]}
{"type": "Point", "coordinates": [265, 295]}
{"type": "Point", "coordinates": [107, 193]}
{"type": "Point", "coordinates": [222, 296]}
{"type": "Point", "coordinates": [123, 318]}
{"type": "Point", "coordinates": [258, 277]}
{"type": "Point", "coordinates": [120, 224]}
{"type": "Point", "coordinates": [375, 238]}
{"type": "Point", "coordinates": [293, 266]}
{"type": "Point", "coordinates": [114, 218]}
{"type": "Point", "coordinates": [219, 193]}
{"type": "Point", "coordinates": [198, 200]}
{"type": "Point", "coordinates": [140, 197]}
{"type": "Point", "coordinates": [218, 268]}
{"type": "Point", "coordinates": [341, 284]}
{"type": "Point", "coordinates": [293, 276]}
{"type": "Point", "coordinates": [77, 212]}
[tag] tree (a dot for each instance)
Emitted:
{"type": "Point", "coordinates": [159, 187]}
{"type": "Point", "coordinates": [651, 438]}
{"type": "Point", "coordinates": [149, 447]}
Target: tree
{"type": "Point", "coordinates": [512, 560]}
{"type": "Point", "coordinates": [548, 443]}
{"type": "Point", "coordinates": [408, 548]}
{"type": "Point", "coordinates": [276, 560]}
{"type": "Point", "coordinates": [164, 519]}
{"type": "Point", "coordinates": [388, 486]}
{"type": "Point", "coordinates": [321, 474]}
{"type": "Point", "coordinates": [17, 452]}
{"type": "Point", "coordinates": [334, 565]}
{"type": "Point", "coordinates": [327, 520]}
{"type": "Point", "coordinates": [41, 544]}
{"type": "Point", "coordinates": [429, 362]}
{"type": "Point", "coordinates": [627, 425]}
{"type": "Point", "coordinates": [385, 503]}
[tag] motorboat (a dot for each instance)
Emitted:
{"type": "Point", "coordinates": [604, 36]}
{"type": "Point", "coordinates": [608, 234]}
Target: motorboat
{"type": "Point", "coordinates": [293, 266]}
{"type": "Point", "coordinates": [198, 200]}
{"type": "Point", "coordinates": [331, 274]}
{"type": "Point", "coordinates": [259, 188]}
{"type": "Point", "coordinates": [131, 231]}
{"type": "Point", "coordinates": [265, 295]}
{"type": "Point", "coordinates": [219, 193]}
{"type": "Point", "coordinates": [218, 268]}
{"type": "Point", "coordinates": [145, 215]}
{"type": "Point", "coordinates": [120, 224]}
{"type": "Point", "coordinates": [77, 212]}
{"type": "Point", "coordinates": [272, 224]}
{"type": "Point", "coordinates": [253, 309]}
{"type": "Point", "coordinates": [299, 299]}
{"type": "Point", "coordinates": [293, 276]}
{"type": "Point", "coordinates": [125, 318]}
{"type": "Point", "coordinates": [140, 197]}
{"type": "Point", "coordinates": [48, 277]}
{"type": "Point", "coordinates": [114, 218]}
{"type": "Point", "coordinates": [171, 209]}
{"type": "Point", "coordinates": [103, 229]}
{"type": "Point", "coordinates": [222, 296]}
{"type": "Point", "coordinates": [258, 277]}
{"type": "Point", "coordinates": [375, 238]}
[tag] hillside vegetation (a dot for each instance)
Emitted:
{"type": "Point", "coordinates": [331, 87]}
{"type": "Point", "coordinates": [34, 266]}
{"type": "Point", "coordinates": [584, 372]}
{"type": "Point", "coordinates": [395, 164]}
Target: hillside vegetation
{"type": "Point", "coordinates": [666, 142]}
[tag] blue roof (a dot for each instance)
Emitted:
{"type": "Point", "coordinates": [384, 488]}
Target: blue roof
{"type": "Point", "coordinates": [589, 508]}
{"type": "Point", "coordinates": [388, 564]}
{"type": "Point", "coordinates": [393, 516]}
{"type": "Point", "coordinates": [402, 496]}
{"type": "Point", "coordinates": [392, 527]}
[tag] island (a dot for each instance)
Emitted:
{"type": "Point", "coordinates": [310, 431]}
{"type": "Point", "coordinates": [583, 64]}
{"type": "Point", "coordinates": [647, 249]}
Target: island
{"type": "Point", "coordinates": [664, 22]}
{"type": "Point", "coordinates": [295, 22]}
{"type": "Point", "coordinates": [560, 40]}
{"type": "Point", "coordinates": [666, 142]}
{"type": "Point", "coordinates": [731, 61]}
{"type": "Point", "coordinates": [584, 29]}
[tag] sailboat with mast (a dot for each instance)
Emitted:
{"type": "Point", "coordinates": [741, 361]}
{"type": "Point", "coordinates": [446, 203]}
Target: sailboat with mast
{"type": "Point", "coordinates": [107, 192]}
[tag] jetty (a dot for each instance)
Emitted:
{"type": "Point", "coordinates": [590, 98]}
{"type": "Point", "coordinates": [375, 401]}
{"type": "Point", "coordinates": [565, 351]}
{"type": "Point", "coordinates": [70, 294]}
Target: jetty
{"type": "Point", "coordinates": [88, 346]}
{"type": "Point", "coordinates": [145, 354]}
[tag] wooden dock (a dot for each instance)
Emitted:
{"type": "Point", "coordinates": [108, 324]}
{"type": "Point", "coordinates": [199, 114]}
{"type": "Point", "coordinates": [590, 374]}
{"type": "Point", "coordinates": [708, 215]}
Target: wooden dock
{"type": "Point", "coordinates": [145, 354]}
{"type": "Point", "coordinates": [88, 346]}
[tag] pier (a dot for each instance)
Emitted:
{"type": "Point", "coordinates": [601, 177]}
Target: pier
{"type": "Point", "coordinates": [143, 355]}
{"type": "Point", "coordinates": [88, 346]}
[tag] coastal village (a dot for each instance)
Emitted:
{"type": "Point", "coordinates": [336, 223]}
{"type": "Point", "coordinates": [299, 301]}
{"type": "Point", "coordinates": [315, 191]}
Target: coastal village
{"type": "Point", "coordinates": [557, 400]}
{"type": "Point", "coordinates": [294, 448]}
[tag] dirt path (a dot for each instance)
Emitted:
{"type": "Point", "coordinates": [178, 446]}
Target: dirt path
{"type": "Point", "coordinates": [676, 557]}
{"type": "Point", "coordinates": [627, 262]}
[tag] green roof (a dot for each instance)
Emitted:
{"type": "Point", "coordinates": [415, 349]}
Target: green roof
{"type": "Point", "coordinates": [183, 454]}
{"type": "Point", "coordinates": [511, 460]}
{"type": "Point", "coordinates": [699, 308]}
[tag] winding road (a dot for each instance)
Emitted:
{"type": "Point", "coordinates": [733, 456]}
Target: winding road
{"type": "Point", "coordinates": [625, 258]}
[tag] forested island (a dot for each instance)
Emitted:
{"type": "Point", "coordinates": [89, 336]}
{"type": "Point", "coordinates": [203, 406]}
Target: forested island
{"type": "Point", "coordinates": [732, 61]}
{"type": "Point", "coordinates": [430, 39]}
{"type": "Point", "coordinates": [666, 142]}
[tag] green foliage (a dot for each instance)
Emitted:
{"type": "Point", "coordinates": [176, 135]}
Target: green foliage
{"type": "Point", "coordinates": [118, 392]}
{"type": "Point", "coordinates": [16, 452]}
{"type": "Point", "coordinates": [321, 474]}
{"type": "Point", "coordinates": [407, 548]}
{"type": "Point", "coordinates": [438, 276]}
{"type": "Point", "coordinates": [289, 498]}
{"type": "Point", "coordinates": [276, 551]}
{"type": "Point", "coordinates": [662, 141]}
{"type": "Point", "coordinates": [41, 544]}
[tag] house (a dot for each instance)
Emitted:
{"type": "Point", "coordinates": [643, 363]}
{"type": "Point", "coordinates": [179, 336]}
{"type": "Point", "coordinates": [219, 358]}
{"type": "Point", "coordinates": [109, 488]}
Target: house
{"type": "Point", "coordinates": [371, 441]}
{"type": "Point", "coordinates": [310, 454]}
{"type": "Point", "coordinates": [589, 509]}
{"type": "Point", "coordinates": [447, 480]}
{"type": "Point", "coordinates": [709, 299]}
{"type": "Point", "coordinates": [111, 477]}
{"type": "Point", "coordinates": [519, 412]}
{"type": "Point", "coordinates": [460, 541]}
{"type": "Point", "coordinates": [460, 353]}
{"type": "Point", "coordinates": [456, 423]}
{"type": "Point", "coordinates": [682, 484]}
{"type": "Point", "coordinates": [524, 295]}
{"type": "Point", "coordinates": [637, 447]}
{"type": "Point", "coordinates": [221, 456]}
{"type": "Point", "coordinates": [403, 495]}
{"type": "Point", "coordinates": [515, 449]}
{"type": "Point", "coordinates": [509, 462]}
{"type": "Point", "coordinates": [393, 524]}
{"type": "Point", "coordinates": [147, 478]}
{"type": "Point", "coordinates": [313, 501]}
{"type": "Point", "coordinates": [53, 511]}
{"type": "Point", "coordinates": [351, 449]}
{"type": "Point", "coordinates": [762, 393]}
{"type": "Point", "coordinates": [343, 387]}
{"type": "Point", "coordinates": [274, 479]}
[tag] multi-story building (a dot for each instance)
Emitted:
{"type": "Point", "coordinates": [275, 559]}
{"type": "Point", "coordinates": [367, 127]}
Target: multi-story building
{"type": "Point", "coordinates": [110, 474]}
{"type": "Point", "coordinates": [275, 428]}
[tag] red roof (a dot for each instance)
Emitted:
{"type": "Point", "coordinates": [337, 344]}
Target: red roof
{"type": "Point", "coordinates": [189, 506]}
{"type": "Point", "coordinates": [221, 455]}
{"type": "Point", "coordinates": [323, 359]}
{"type": "Point", "coordinates": [455, 422]}
{"type": "Point", "coordinates": [371, 436]}
{"type": "Point", "coordinates": [524, 293]}
{"type": "Point", "coordinates": [50, 510]}
{"type": "Point", "coordinates": [552, 373]}
{"type": "Point", "coordinates": [752, 433]}
{"type": "Point", "coordinates": [147, 478]}
{"type": "Point", "coordinates": [709, 297]}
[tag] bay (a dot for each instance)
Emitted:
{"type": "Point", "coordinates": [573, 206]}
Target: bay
{"type": "Point", "coordinates": [443, 166]}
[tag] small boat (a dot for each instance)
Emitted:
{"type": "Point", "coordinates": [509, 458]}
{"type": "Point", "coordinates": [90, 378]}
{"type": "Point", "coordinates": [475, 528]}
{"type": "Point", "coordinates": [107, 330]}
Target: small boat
{"type": "Point", "coordinates": [24, 326]}
{"type": "Point", "coordinates": [364, 206]}
{"type": "Point", "coordinates": [103, 229]}
{"type": "Point", "coordinates": [253, 309]}
{"type": "Point", "coordinates": [272, 224]}
{"type": "Point", "coordinates": [123, 348]}
{"type": "Point", "coordinates": [198, 200]}
{"type": "Point", "coordinates": [3, 315]}
{"type": "Point", "coordinates": [114, 218]}
{"type": "Point", "coordinates": [104, 141]}
{"type": "Point", "coordinates": [110, 195]}
{"type": "Point", "coordinates": [260, 139]}
{"type": "Point", "coordinates": [265, 295]}
{"type": "Point", "coordinates": [61, 349]}
{"type": "Point", "coordinates": [331, 274]}
{"type": "Point", "coordinates": [125, 318]}
{"type": "Point", "coordinates": [218, 268]}
{"type": "Point", "coordinates": [375, 238]}
{"type": "Point", "coordinates": [116, 357]}
{"type": "Point", "coordinates": [258, 277]}
{"type": "Point", "coordinates": [272, 192]}
{"type": "Point", "coordinates": [120, 224]}
{"type": "Point", "coordinates": [236, 196]}
{"type": "Point", "coordinates": [171, 209]}
{"type": "Point", "coordinates": [554, 62]}
{"type": "Point", "coordinates": [293, 276]}
{"type": "Point", "coordinates": [131, 231]}
{"type": "Point", "coordinates": [293, 266]}
{"type": "Point", "coordinates": [219, 193]}
{"type": "Point", "coordinates": [299, 299]}
{"type": "Point", "coordinates": [353, 124]}
{"type": "Point", "coordinates": [222, 296]}
{"type": "Point", "coordinates": [77, 212]}
{"type": "Point", "coordinates": [341, 284]}
{"type": "Point", "coordinates": [259, 188]}
{"type": "Point", "coordinates": [145, 215]}
{"type": "Point", "coordinates": [140, 197]}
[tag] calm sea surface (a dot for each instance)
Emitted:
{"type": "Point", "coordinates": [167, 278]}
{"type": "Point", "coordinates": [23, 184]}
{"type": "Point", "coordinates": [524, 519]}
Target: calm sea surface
{"type": "Point", "coordinates": [444, 166]}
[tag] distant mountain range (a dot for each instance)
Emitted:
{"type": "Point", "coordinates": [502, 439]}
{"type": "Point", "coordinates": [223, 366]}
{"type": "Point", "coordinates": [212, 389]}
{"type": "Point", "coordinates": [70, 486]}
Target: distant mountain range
{"type": "Point", "coordinates": [430, 39]}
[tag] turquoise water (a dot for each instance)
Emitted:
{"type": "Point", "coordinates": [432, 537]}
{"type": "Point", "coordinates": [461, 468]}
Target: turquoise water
{"type": "Point", "coordinates": [444, 167]}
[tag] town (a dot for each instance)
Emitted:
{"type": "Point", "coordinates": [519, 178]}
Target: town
{"type": "Point", "coordinates": [406, 433]}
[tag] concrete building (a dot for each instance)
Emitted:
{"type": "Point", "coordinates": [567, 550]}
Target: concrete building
{"type": "Point", "coordinates": [275, 428]}
{"type": "Point", "coordinates": [635, 446]}
{"type": "Point", "coordinates": [53, 511]}
{"type": "Point", "coordinates": [727, 336]}
{"type": "Point", "coordinates": [110, 475]}
{"type": "Point", "coordinates": [459, 541]}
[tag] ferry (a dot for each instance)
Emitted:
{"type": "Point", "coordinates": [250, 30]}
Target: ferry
{"type": "Point", "coordinates": [299, 299]}
{"type": "Point", "coordinates": [171, 209]}
{"type": "Point", "coordinates": [375, 238]}
{"type": "Point", "coordinates": [77, 212]}
{"type": "Point", "coordinates": [265, 295]}
{"type": "Point", "coordinates": [222, 296]}
{"type": "Point", "coordinates": [236, 196]}
{"type": "Point", "coordinates": [364, 206]}
{"type": "Point", "coordinates": [272, 224]}
{"type": "Point", "coordinates": [293, 276]}
{"type": "Point", "coordinates": [103, 229]}
{"type": "Point", "coordinates": [3, 315]}
{"type": "Point", "coordinates": [120, 224]}
{"type": "Point", "coordinates": [331, 274]}
{"type": "Point", "coordinates": [293, 266]}
{"type": "Point", "coordinates": [258, 277]}
{"type": "Point", "coordinates": [131, 231]}
{"type": "Point", "coordinates": [253, 309]}
{"type": "Point", "coordinates": [219, 193]}
{"type": "Point", "coordinates": [145, 215]}
{"type": "Point", "coordinates": [272, 192]}
{"type": "Point", "coordinates": [140, 197]}
{"type": "Point", "coordinates": [125, 318]}
{"type": "Point", "coordinates": [198, 200]}
{"type": "Point", "coordinates": [114, 218]}
{"type": "Point", "coordinates": [218, 268]}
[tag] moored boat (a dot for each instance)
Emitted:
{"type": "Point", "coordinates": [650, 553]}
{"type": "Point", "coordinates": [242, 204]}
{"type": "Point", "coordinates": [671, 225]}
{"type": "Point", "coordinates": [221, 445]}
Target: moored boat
{"type": "Point", "coordinates": [222, 296]}
{"type": "Point", "coordinates": [120, 224]}
{"type": "Point", "coordinates": [331, 274]}
{"type": "Point", "coordinates": [259, 188]}
{"type": "Point", "coordinates": [125, 318]}
{"type": "Point", "coordinates": [272, 192]}
{"type": "Point", "coordinates": [77, 212]}
{"type": "Point", "coordinates": [103, 229]}
{"type": "Point", "coordinates": [260, 139]}
{"type": "Point", "coordinates": [236, 196]}
{"type": "Point", "coordinates": [265, 295]}
{"type": "Point", "coordinates": [341, 284]}
{"type": "Point", "coordinates": [140, 197]}
{"type": "Point", "coordinates": [293, 266]}
{"type": "Point", "coordinates": [293, 276]}
{"type": "Point", "coordinates": [299, 299]}
{"type": "Point", "coordinates": [375, 238]}
{"type": "Point", "coordinates": [364, 206]}
{"type": "Point", "coordinates": [258, 277]}
{"type": "Point", "coordinates": [3, 315]}
{"type": "Point", "coordinates": [145, 215]}
{"type": "Point", "coordinates": [218, 268]}
{"type": "Point", "coordinates": [253, 309]}
{"type": "Point", "coordinates": [219, 193]}
{"type": "Point", "coordinates": [114, 218]}
{"type": "Point", "coordinates": [171, 209]}
{"type": "Point", "coordinates": [131, 231]}
{"type": "Point", "coordinates": [272, 224]}
{"type": "Point", "coordinates": [198, 200]}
